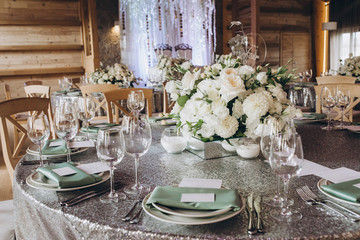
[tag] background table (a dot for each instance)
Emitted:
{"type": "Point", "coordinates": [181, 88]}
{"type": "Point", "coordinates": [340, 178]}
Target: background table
{"type": "Point", "coordinates": [38, 214]}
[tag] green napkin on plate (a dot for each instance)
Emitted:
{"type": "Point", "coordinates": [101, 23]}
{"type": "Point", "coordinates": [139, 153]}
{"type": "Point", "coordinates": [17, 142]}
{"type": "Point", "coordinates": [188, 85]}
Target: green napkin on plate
{"type": "Point", "coordinates": [344, 190]}
{"type": "Point", "coordinates": [78, 179]}
{"type": "Point", "coordinates": [54, 150]}
{"type": "Point", "coordinates": [170, 197]}
{"type": "Point", "coordinates": [314, 116]}
{"type": "Point", "coordinates": [95, 128]}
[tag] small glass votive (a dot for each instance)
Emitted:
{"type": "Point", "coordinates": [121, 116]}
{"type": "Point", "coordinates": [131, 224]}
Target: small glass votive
{"type": "Point", "coordinates": [173, 141]}
{"type": "Point", "coordinates": [248, 148]}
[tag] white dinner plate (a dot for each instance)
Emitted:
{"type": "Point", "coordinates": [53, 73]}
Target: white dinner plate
{"type": "Point", "coordinates": [323, 182]}
{"type": "Point", "coordinates": [34, 150]}
{"type": "Point", "coordinates": [188, 212]}
{"type": "Point", "coordinates": [169, 218]}
{"type": "Point", "coordinates": [49, 185]}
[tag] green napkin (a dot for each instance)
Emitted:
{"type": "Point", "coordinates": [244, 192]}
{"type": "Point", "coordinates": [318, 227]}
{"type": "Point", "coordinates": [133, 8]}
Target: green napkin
{"type": "Point", "coordinates": [315, 116]}
{"type": "Point", "coordinates": [95, 129]}
{"type": "Point", "coordinates": [78, 179]}
{"type": "Point", "coordinates": [170, 197]}
{"type": "Point", "coordinates": [344, 190]}
{"type": "Point", "coordinates": [61, 149]}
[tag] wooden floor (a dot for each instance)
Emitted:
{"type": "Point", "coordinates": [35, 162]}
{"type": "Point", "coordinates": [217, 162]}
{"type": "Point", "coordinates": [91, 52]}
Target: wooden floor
{"type": "Point", "coordinates": [5, 183]}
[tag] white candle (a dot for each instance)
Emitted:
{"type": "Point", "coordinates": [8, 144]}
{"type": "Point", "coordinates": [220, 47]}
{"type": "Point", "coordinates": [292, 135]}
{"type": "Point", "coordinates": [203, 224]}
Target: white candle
{"type": "Point", "coordinates": [196, 144]}
{"type": "Point", "coordinates": [248, 150]}
{"type": "Point", "coordinates": [175, 144]}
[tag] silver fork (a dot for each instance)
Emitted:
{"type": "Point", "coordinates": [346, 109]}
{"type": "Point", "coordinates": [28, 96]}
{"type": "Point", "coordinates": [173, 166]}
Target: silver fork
{"type": "Point", "coordinates": [312, 201]}
{"type": "Point", "coordinates": [136, 217]}
{"type": "Point", "coordinates": [311, 194]}
{"type": "Point", "coordinates": [141, 196]}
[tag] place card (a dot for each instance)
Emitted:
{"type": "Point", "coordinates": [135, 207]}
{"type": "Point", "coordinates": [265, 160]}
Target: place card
{"type": "Point", "coordinates": [82, 144]}
{"type": "Point", "coordinates": [309, 168]}
{"type": "Point", "coordinates": [64, 171]}
{"type": "Point", "coordinates": [197, 197]}
{"type": "Point", "coordinates": [357, 185]}
{"type": "Point", "coordinates": [200, 183]}
{"type": "Point", "coordinates": [95, 167]}
{"type": "Point", "coordinates": [339, 175]}
{"type": "Point", "coordinates": [56, 143]}
{"type": "Point", "coordinates": [100, 125]}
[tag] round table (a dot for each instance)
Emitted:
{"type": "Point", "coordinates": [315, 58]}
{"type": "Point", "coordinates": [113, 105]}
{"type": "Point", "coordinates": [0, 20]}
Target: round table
{"type": "Point", "coordinates": [38, 214]}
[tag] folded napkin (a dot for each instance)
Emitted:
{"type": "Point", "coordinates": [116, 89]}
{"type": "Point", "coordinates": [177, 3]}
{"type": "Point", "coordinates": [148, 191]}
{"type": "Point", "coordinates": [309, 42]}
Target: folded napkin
{"type": "Point", "coordinates": [95, 129]}
{"type": "Point", "coordinates": [80, 178]}
{"type": "Point", "coordinates": [54, 150]}
{"type": "Point", "coordinates": [170, 197]}
{"type": "Point", "coordinates": [344, 190]}
{"type": "Point", "coordinates": [315, 116]}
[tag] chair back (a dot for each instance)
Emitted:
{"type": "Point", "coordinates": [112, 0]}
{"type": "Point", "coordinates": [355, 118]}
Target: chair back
{"type": "Point", "coordinates": [28, 83]}
{"type": "Point", "coordinates": [114, 96]}
{"type": "Point", "coordinates": [37, 91]}
{"type": "Point", "coordinates": [335, 79]}
{"type": "Point", "coordinates": [354, 90]}
{"type": "Point", "coordinates": [8, 109]}
{"type": "Point", "coordinates": [7, 91]}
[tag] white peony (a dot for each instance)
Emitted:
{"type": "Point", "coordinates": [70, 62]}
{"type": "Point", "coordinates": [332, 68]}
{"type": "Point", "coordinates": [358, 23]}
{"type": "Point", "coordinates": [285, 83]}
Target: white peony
{"type": "Point", "coordinates": [227, 127]}
{"type": "Point", "coordinates": [219, 109]}
{"type": "Point", "coordinates": [237, 110]}
{"type": "Point", "coordinates": [231, 84]}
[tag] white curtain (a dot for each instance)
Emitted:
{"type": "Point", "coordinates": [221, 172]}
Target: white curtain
{"type": "Point", "coordinates": [145, 24]}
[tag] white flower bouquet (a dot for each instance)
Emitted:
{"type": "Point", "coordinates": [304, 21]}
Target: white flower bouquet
{"type": "Point", "coordinates": [117, 74]}
{"type": "Point", "coordinates": [229, 100]}
{"type": "Point", "coordinates": [350, 67]}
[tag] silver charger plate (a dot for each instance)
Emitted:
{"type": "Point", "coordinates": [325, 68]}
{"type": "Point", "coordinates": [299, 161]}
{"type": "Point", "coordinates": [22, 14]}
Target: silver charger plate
{"type": "Point", "coordinates": [33, 150]}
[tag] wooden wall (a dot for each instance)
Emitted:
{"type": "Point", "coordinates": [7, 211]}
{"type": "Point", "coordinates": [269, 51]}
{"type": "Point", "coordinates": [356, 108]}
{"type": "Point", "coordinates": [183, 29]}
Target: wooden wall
{"type": "Point", "coordinates": [39, 40]}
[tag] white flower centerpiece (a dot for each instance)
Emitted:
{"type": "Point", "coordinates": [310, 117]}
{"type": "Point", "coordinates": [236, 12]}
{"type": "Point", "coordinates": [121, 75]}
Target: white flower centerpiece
{"type": "Point", "coordinates": [229, 100]}
{"type": "Point", "coordinates": [350, 67]}
{"type": "Point", "coordinates": [116, 74]}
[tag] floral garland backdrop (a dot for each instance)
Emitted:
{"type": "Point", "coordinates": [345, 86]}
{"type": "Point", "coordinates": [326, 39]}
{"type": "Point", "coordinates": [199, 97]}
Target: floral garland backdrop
{"type": "Point", "coordinates": [118, 74]}
{"type": "Point", "coordinates": [229, 100]}
{"type": "Point", "coordinates": [350, 67]}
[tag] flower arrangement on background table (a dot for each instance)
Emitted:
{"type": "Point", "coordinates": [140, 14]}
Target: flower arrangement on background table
{"type": "Point", "coordinates": [350, 66]}
{"type": "Point", "coordinates": [118, 74]}
{"type": "Point", "coordinates": [230, 100]}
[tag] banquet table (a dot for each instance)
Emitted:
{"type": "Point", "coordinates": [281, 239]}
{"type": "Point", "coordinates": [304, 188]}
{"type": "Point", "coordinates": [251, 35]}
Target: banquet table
{"type": "Point", "coordinates": [38, 214]}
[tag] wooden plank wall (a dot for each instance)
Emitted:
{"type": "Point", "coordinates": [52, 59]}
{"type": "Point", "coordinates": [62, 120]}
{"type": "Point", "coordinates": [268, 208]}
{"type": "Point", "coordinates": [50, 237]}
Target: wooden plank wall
{"type": "Point", "coordinates": [39, 40]}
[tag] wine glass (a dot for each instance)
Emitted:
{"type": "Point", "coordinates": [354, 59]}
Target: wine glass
{"type": "Point", "coordinates": [136, 101]}
{"type": "Point", "coordinates": [308, 75]}
{"type": "Point", "coordinates": [342, 102]}
{"type": "Point", "coordinates": [38, 131]}
{"type": "Point", "coordinates": [66, 123]}
{"type": "Point", "coordinates": [328, 101]}
{"type": "Point", "coordinates": [137, 140]}
{"type": "Point", "coordinates": [110, 150]}
{"type": "Point", "coordinates": [271, 127]}
{"type": "Point", "coordinates": [286, 160]}
{"type": "Point", "coordinates": [86, 111]}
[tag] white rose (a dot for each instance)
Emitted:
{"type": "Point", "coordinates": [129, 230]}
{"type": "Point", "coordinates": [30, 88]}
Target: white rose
{"type": "Point", "coordinates": [246, 70]}
{"type": "Point", "coordinates": [262, 77]}
{"type": "Point", "coordinates": [188, 81]}
{"type": "Point", "coordinates": [231, 84]}
{"type": "Point", "coordinates": [105, 76]}
{"type": "Point", "coordinates": [216, 68]}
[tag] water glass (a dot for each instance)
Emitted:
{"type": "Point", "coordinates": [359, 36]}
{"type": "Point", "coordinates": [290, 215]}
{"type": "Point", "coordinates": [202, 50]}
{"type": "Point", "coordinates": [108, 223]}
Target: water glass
{"type": "Point", "coordinates": [342, 102]}
{"type": "Point", "coordinates": [328, 101]}
{"type": "Point", "coordinates": [86, 108]}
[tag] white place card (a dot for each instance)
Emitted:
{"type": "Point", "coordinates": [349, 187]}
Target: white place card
{"type": "Point", "coordinates": [82, 144]}
{"type": "Point", "coordinates": [101, 125]}
{"type": "Point", "coordinates": [197, 197]}
{"type": "Point", "coordinates": [309, 168]}
{"type": "Point", "coordinates": [64, 171]}
{"type": "Point", "coordinates": [355, 128]}
{"type": "Point", "coordinates": [357, 185]}
{"type": "Point", "coordinates": [339, 175]}
{"type": "Point", "coordinates": [56, 143]}
{"type": "Point", "coordinates": [95, 167]}
{"type": "Point", "coordinates": [200, 183]}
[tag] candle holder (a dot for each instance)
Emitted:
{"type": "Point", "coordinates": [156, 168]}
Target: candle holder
{"type": "Point", "coordinates": [248, 148]}
{"type": "Point", "coordinates": [173, 141]}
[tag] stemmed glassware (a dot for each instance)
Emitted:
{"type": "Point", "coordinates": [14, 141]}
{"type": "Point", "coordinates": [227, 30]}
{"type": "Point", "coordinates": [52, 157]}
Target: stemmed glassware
{"type": "Point", "coordinates": [342, 102]}
{"type": "Point", "coordinates": [137, 139]}
{"type": "Point", "coordinates": [308, 75]}
{"type": "Point", "coordinates": [286, 159]}
{"type": "Point", "coordinates": [136, 101]}
{"type": "Point", "coordinates": [328, 101]}
{"type": "Point", "coordinates": [110, 150]}
{"type": "Point", "coordinates": [38, 131]}
{"type": "Point", "coordinates": [66, 123]}
{"type": "Point", "coordinates": [86, 111]}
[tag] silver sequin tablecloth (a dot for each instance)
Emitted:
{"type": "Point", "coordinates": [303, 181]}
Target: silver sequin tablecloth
{"type": "Point", "coordinates": [38, 214]}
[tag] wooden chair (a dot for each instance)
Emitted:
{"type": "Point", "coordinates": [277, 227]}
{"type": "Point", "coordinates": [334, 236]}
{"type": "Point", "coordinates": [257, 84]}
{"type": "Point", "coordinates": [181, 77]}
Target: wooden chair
{"type": "Point", "coordinates": [335, 79]}
{"type": "Point", "coordinates": [28, 83]}
{"type": "Point", "coordinates": [9, 108]}
{"type": "Point", "coordinates": [354, 99]}
{"type": "Point", "coordinates": [114, 96]}
{"type": "Point", "coordinates": [7, 91]}
{"type": "Point", "coordinates": [90, 89]}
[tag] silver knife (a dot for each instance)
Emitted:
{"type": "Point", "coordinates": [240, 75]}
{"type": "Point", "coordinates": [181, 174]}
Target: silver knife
{"type": "Point", "coordinates": [260, 223]}
{"type": "Point", "coordinates": [250, 210]}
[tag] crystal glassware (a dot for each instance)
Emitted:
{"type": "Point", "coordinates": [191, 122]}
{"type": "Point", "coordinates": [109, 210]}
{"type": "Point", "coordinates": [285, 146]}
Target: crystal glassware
{"type": "Point", "coordinates": [86, 111]}
{"type": "Point", "coordinates": [136, 101]}
{"type": "Point", "coordinates": [328, 101]}
{"type": "Point", "coordinates": [286, 159]}
{"type": "Point", "coordinates": [110, 150]}
{"type": "Point", "coordinates": [66, 123]}
{"type": "Point", "coordinates": [342, 102]}
{"type": "Point", "coordinates": [137, 140]}
{"type": "Point", "coordinates": [173, 141]}
{"type": "Point", "coordinates": [38, 131]}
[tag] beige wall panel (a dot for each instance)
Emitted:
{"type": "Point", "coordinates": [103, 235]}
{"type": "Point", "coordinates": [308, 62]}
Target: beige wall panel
{"type": "Point", "coordinates": [38, 35]}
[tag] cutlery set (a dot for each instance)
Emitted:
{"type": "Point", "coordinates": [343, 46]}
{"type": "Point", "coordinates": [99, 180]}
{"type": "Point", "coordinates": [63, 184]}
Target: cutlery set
{"type": "Point", "coordinates": [253, 210]}
{"type": "Point", "coordinates": [136, 218]}
{"type": "Point", "coordinates": [312, 199]}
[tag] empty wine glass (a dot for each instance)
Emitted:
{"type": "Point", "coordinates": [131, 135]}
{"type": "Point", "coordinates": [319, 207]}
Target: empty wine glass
{"type": "Point", "coordinates": [66, 123]}
{"type": "Point", "coordinates": [110, 150]}
{"type": "Point", "coordinates": [136, 101]}
{"type": "Point", "coordinates": [86, 111]}
{"type": "Point", "coordinates": [308, 75]}
{"type": "Point", "coordinates": [65, 83]}
{"type": "Point", "coordinates": [328, 101]}
{"type": "Point", "coordinates": [301, 77]}
{"type": "Point", "coordinates": [342, 102]}
{"type": "Point", "coordinates": [286, 159]}
{"type": "Point", "coordinates": [38, 131]}
{"type": "Point", "coordinates": [137, 140]}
